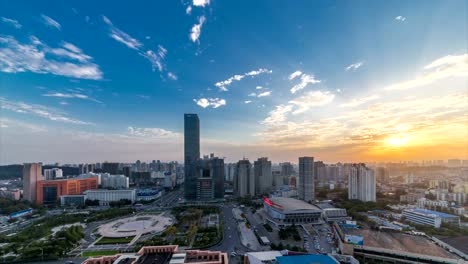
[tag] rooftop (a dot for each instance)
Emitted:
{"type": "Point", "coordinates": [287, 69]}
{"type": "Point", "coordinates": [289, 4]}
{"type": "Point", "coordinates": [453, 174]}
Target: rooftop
{"type": "Point", "coordinates": [323, 259]}
{"type": "Point", "coordinates": [262, 256]}
{"type": "Point", "coordinates": [430, 212]}
{"type": "Point", "coordinates": [293, 204]}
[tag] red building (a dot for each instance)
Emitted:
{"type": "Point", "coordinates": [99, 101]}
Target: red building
{"type": "Point", "coordinates": [49, 192]}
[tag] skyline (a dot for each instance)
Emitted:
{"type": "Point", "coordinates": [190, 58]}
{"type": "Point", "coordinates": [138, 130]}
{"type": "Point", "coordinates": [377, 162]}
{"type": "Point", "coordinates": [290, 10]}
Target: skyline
{"type": "Point", "coordinates": [359, 81]}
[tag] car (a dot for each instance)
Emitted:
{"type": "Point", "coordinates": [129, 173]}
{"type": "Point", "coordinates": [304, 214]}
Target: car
{"type": "Point", "coordinates": [233, 254]}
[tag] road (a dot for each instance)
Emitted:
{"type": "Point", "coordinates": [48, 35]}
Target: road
{"type": "Point", "coordinates": [231, 240]}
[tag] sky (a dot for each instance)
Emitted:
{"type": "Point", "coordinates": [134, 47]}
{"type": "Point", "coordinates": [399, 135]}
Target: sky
{"type": "Point", "coordinates": [89, 81]}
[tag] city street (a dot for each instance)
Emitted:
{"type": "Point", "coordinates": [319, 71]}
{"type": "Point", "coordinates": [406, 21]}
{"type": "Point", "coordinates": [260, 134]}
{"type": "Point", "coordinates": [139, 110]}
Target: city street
{"type": "Point", "coordinates": [231, 240]}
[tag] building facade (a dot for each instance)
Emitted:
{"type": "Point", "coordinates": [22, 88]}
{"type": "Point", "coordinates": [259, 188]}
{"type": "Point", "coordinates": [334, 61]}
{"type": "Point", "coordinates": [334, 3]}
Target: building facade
{"type": "Point", "coordinates": [52, 174]}
{"type": "Point", "coordinates": [361, 183]}
{"type": "Point", "coordinates": [106, 196]}
{"type": "Point", "coordinates": [263, 176]}
{"type": "Point", "coordinates": [306, 184]}
{"type": "Point", "coordinates": [114, 181]}
{"type": "Point", "coordinates": [244, 182]}
{"type": "Point", "coordinates": [49, 192]}
{"type": "Point", "coordinates": [191, 154]}
{"type": "Point", "coordinates": [32, 173]}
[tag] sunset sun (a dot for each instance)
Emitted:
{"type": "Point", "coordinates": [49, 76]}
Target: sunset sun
{"type": "Point", "coordinates": [398, 141]}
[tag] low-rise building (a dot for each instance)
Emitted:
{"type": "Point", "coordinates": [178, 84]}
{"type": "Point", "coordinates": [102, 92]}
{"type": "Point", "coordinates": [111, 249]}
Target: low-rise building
{"type": "Point", "coordinates": [170, 254]}
{"type": "Point", "coordinates": [288, 211]}
{"type": "Point", "coordinates": [106, 196]}
{"type": "Point", "coordinates": [429, 217]}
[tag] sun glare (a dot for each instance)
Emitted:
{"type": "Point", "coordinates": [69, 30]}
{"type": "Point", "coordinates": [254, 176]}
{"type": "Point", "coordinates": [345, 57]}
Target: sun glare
{"type": "Point", "coordinates": [398, 141]}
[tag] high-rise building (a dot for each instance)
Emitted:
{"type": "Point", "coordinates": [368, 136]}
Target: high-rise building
{"type": "Point", "coordinates": [287, 169]}
{"type": "Point", "coordinates": [110, 167]}
{"type": "Point", "coordinates": [244, 182]}
{"type": "Point", "coordinates": [32, 173]}
{"type": "Point", "coordinates": [191, 154]}
{"type": "Point", "coordinates": [210, 178]}
{"type": "Point", "coordinates": [361, 183]}
{"type": "Point", "coordinates": [306, 184]}
{"type": "Point", "coordinates": [52, 174]}
{"type": "Point", "coordinates": [229, 171]}
{"type": "Point", "coordinates": [114, 181]}
{"type": "Point", "coordinates": [382, 175]}
{"type": "Point", "coordinates": [263, 176]}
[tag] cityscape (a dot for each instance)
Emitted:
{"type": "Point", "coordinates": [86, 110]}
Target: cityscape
{"type": "Point", "coordinates": [326, 149]}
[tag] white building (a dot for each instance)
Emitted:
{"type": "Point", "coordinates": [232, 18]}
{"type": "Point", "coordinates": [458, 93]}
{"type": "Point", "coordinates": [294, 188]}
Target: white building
{"type": "Point", "coordinates": [114, 181]}
{"type": "Point", "coordinates": [106, 196]}
{"type": "Point", "coordinates": [306, 186]}
{"type": "Point", "coordinates": [52, 174]}
{"type": "Point", "coordinates": [263, 176]}
{"type": "Point", "coordinates": [361, 183]}
{"type": "Point", "coordinates": [229, 171]}
{"type": "Point", "coordinates": [170, 180]}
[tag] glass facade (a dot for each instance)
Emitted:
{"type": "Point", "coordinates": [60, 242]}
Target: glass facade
{"type": "Point", "coordinates": [191, 154]}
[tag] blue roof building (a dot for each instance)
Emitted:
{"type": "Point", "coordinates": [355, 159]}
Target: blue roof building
{"type": "Point", "coordinates": [306, 259]}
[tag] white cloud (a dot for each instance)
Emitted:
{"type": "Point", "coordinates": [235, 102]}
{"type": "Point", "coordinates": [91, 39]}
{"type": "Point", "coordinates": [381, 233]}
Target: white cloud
{"type": "Point", "coordinates": [40, 111]}
{"type": "Point", "coordinates": [445, 67]}
{"type": "Point", "coordinates": [311, 99]}
{"type": "Point", "coordinates": [146, 97]}
{"type": "Point", "coordinates": [222, 85]}
{"type": "Point", "coordinates": [196, 29]}
{"type": "Point", "coordinates": [37, 57]}
{"type": "Point", "coordinates": [247, 101]}
{"type": "Point", "coordinates": [267, 93]}
{"type": "Point", "coordinates": [278, 115]}
{"type": "Point", "coordinates": [201, 3]}
{"type": "Point", "coordinates": [294, 75]}
{"type": "Point", "coordinates": [305, 79]}
{"type": "Point", "coordinates": [210, 102]}
{"type": "Point", "coordinates": [354, 66]}
{"type": "Point", "coordinates": [121, 36]}
{"type": "Point", "coordinates": [48, 21]}
{"type": "Point", "coordinates": [252, 94]}
{"type": "Point", "coordinates": [71, 95]}
{"type": "Point", "coordinates": [259, 87]}
{"type": "Point", "coordinates": [359, 101]}
{"type": "Point", "coordinates": [152, 132]}
{"type": "Point", "coordinates": [172, 76]}
{"type": "Point", "coordinates": [11, 22]}
{"type": "Point", "coordinates": [400, 18]}
{"type": "Point", "coordinates": [188, 10]}
{"type": "Point", "coordinates": [155, 58]}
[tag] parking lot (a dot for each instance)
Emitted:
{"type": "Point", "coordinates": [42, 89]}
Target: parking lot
{"type": "Point", "coordinates": [320, 239]}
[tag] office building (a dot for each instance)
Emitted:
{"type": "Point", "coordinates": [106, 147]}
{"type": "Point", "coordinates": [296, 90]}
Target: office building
{"type": "Point", "coordinates": [114, 181]}
{"type": "Point", "coordinates": [287, 169]}
{"type": "Point", "coordinates": [32, 173]}
{"type": "Point", "coordinates": [72, 200]}
{"type": "Point", "coordinates": [263, 176]}
{"type": "Point", "coordinates": [191, 154]}
{"type": "Point", "coordinates": [244, 182]}
{"type": "Point", "coordinates": [52, 174]}
{"type": "Point", "coordinates": [382, 175]}
{"type": "Point", "coordinates": [361, 183]}
{"type": "Point", "coordinates": [306, 184]}
{"type": "Point", "coordinates": [106, 196]}
{"type": "Point", "coordinates": [210, 178]}
{"type": "Point", "coordinates": [49, 192]}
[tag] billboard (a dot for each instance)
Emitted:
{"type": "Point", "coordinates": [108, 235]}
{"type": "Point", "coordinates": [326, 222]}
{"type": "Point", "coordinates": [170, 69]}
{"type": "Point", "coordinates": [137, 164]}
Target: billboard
{"type": "Point", "coordinates": [354, 239]}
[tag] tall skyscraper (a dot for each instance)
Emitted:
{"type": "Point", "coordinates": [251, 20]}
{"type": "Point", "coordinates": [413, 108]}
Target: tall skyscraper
{"type": "Point", "coordinates": [244, 182]}
{"type": "Point", "coordinates": [361, 183]}
{"type": "Point", "coordinates": [263, 176]}
{"type": "Point", "coordinates": [32, 173]}
{"type": "Point", "coordinates": [191, 154]}
{"type": "Point", "coordinates": [306, 185]}
{"type": "Point", "coordinates": [210, 178]}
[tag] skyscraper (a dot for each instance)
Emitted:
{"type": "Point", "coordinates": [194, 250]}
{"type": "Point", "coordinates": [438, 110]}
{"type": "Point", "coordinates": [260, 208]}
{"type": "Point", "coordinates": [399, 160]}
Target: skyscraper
{"type": "Point", "coordinates": [52, 174]}
{"type": "Point", "coordinates": [32, 173]}
{"type": "Point", "coordinates": [306, 186]}
{"type": "Point", "coordinates": [361, 183]}
{"type": "Point", "coordinates": [191, 154]}
{"type": "Point", "coordinates": [263, 176]}
{"type": "Point", "coordinates": [244, 182]}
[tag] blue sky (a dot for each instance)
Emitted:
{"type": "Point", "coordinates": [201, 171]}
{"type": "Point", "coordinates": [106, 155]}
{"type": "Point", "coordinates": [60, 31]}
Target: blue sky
{"type": "Point", "coordinates": [86, 81]}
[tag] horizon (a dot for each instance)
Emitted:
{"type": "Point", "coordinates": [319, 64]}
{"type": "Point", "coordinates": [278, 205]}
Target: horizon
{"type": "Point", "coordinates": [352, 82]}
